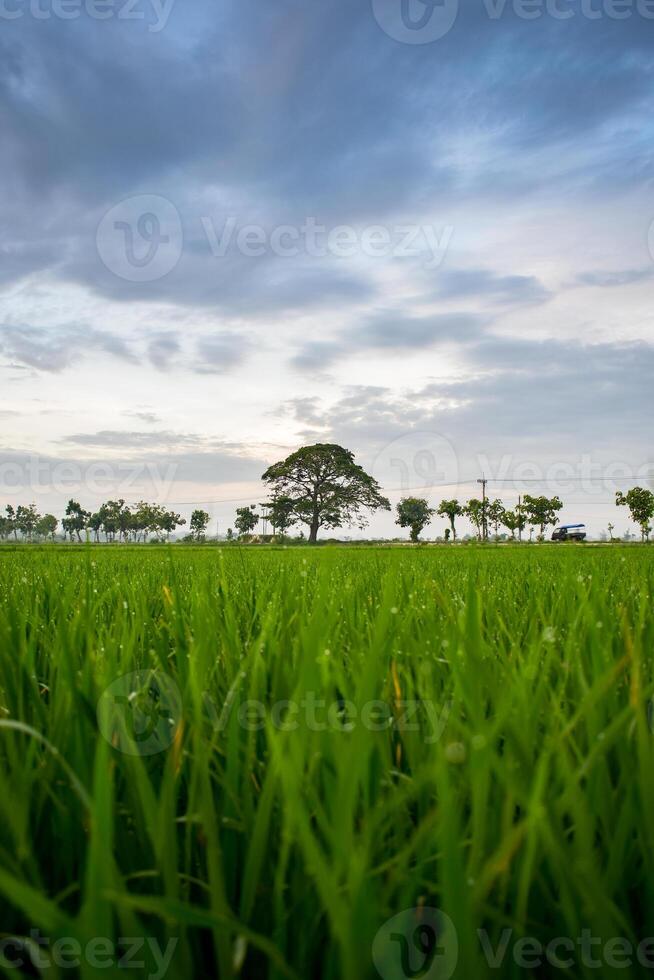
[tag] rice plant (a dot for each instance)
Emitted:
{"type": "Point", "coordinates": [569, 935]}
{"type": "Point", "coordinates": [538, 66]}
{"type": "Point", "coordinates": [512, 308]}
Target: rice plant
{"type": "Point", "coordinates": [254, 760]}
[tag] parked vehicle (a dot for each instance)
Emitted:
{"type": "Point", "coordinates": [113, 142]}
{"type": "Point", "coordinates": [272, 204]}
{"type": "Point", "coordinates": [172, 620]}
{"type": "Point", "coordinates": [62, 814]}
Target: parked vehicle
{"type": "Point", "coordinates": [570, 532]}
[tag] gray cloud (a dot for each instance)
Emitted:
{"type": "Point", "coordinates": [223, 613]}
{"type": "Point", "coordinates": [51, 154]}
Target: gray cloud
{"type": "Point", "coordinates": [516, 396]}
{"type": "Point", "coordinates": [392, 331]}
{"type": "Point", "coordinates": [41, 473]}
{"type": "Point", "coordinates": [163, 349]}
{"type": "Point", "coordinates": [220, 353]}
{"type": "Point", "coordinates": [625, 277]}
{"type": "Point", "coordinates": [133, 440]}
{"type": "Point", "coordinates": [58, 348]}
{"type": "Point", "coordinates": [55, 350]}
{"type": "Point", "coordinates": [490, 286]}
{"type": "Point", "coordinates": [151, 418]}
{"type": "Point", "coordinates": [281, 107]}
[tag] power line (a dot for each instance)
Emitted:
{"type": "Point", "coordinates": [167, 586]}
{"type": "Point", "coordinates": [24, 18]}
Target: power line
{"type": "Point", "coordinates": [516, 481]}
{"type": "Point", "coordinates": [572, 479]}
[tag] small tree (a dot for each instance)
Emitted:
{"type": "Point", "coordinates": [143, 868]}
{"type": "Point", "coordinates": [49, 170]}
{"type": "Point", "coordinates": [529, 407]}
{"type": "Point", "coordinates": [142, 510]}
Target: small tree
{"type": "Point", "coordinates": [145, 519]}
{"type": "Point", "coordinates": [496, 516]}
{"type": "Point", "coordinates": [281, 513]}
{"type": "Point", "coordinates": [11, 525]}
{"type": "Point", "coordinates": [450, 509]}
{"type": "Point", "coordinates": [414, 513]}
{"type": "Point", "coordinates": [27, 520]}
{"type": "Point", "coordinates": [611, 530]}
{"type": "Point", "coordinates": [47, 527]}
{"type": "Point", "coordinates": [76, 520]}
{"type": "Point", "coordinates": [514, 520]}
{"type": "Point", "coordinates": [199, 524]}
{"type": "Point", "coordinates": [542, 511]}
{"type": "Point", "coordinates": [246, 520]}
{"type": "Point", "coordinates": [116, 519]}
{"type": "Point", "coordinates": [169, 521]}
{"type": "Point", "coordinates": [640, 502]}
{"type": "Point", "coordinates": [123, 518]}
{"type": "Point", "coordinates": [476, 513]}
{"type": "Point", "coordinates": [95, 525]}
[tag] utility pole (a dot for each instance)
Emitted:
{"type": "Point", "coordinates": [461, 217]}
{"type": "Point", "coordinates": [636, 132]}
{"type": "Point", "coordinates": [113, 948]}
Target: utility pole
{"type": "Point", "coordinates": [520, 519]}
{"type": "Point", "coordinates": [483, 482]}
{"type": "Point", "coordinates": [265, 516]}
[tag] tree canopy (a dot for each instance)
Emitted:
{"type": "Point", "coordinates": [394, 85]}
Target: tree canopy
{"type": "Point", "coordinates": [246, 520]}
{"type": "Point", "coordinates": [451, 509]}
{"type": "Point", "coordinates": [476, 511]}
{"type": "Point", "coordinates": [199, 524]}
{"type": "Point", "coordinates": [640, 502]}
{"type": "Point", "coordinates": [281, 513]}
{"type": "Point", "coordinates": [327, 488]}
{"type": "Point", "coordinates": [414, 513]}
{"type": "Point", "coordinates": [541, 511]}
{"type": "Point", "coordinates": [514, 520]}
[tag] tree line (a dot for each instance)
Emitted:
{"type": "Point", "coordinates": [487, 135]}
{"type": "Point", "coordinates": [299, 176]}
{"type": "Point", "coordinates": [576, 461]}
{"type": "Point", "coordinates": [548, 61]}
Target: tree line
{"type": "Point", "coordinates": [114, 520]}
{"type": "Point", "coordinates": [320, 487]}
{"type": "Point", "coordinates": [484, 515]}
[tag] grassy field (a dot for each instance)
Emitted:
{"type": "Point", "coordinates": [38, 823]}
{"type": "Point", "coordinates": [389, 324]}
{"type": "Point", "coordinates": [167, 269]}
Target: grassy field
{"type": "Point", "coordinates": [264, 756]}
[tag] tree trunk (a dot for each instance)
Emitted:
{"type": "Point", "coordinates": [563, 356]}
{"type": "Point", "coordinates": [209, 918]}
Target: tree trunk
{"type": "Point", "coordinates": [315, 520]}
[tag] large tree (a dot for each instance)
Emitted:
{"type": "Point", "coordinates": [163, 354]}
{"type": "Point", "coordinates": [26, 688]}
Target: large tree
{"type": "Point", "coordinates": [640, 502]}
{"type": "Point", "coordinates": [327, 487]}
{"type": "Point", "coordinates": [414, 513]}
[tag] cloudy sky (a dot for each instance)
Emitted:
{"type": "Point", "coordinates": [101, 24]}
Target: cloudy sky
{"type": "Point", "coordinates": [421, 230]}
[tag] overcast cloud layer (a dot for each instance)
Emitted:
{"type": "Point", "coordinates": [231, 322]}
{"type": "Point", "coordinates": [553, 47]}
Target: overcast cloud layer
{"type": "Point", "coordinates": [226, 229]}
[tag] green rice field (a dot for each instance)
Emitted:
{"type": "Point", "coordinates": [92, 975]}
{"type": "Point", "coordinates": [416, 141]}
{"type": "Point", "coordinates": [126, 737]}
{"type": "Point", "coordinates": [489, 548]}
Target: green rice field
{"type": "Point", "coordinates": [333, 763]}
